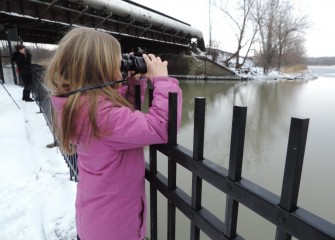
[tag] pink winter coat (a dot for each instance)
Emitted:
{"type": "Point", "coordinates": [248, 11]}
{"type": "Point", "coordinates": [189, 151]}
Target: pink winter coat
{"type": "Point", "coordinates": [110, 201]}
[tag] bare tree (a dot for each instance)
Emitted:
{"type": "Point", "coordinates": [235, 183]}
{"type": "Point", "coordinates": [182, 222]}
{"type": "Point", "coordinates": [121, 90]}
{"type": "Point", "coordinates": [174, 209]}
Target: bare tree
{"type": "Point", "coordinates": [265, 16]}
{"type": "Point", "coordinates": [294, 52]}
{"type": "Point", "coordinates": [242, 24]}
{"type": "Point", "coordinates": [289, 28]}
{"type": "Point", "coordinates": [279, 25]}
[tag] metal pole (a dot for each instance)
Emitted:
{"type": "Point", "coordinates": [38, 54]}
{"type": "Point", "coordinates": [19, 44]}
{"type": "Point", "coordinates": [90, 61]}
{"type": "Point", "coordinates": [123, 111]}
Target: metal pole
{"type": "Point", "coordinates": [9, 95]}
{"type": "Point", "coordinates": [210, 24]}
{"type": "Point", "coordinates": [2, 77]}
{"type": "Point", "coordinates": [10, 54]}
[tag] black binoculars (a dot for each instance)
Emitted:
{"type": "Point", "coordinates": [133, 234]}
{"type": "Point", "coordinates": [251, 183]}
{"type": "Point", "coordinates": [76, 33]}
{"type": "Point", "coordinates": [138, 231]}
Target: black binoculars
{"type": "Point", "coordinates": [133, 63]}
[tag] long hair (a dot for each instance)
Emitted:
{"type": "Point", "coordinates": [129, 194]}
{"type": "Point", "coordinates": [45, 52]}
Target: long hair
{"type": "Point", "coordinates": [85, 57]}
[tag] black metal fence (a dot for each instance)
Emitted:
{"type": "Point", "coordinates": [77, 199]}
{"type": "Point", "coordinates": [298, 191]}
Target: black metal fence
{"type": "Point", "coordinates": [282, 211]}
{"type": "Point", "coordinates": [41, 95]}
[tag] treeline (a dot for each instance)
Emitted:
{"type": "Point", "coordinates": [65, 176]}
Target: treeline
{"type": "Point", "coordinates": [320, 61]}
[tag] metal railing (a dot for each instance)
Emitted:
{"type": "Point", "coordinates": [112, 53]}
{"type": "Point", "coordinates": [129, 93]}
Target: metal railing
{"type": "Point", "coordinates": [282, 211]}
{"type": "Point", "coordinates": [41, 96]}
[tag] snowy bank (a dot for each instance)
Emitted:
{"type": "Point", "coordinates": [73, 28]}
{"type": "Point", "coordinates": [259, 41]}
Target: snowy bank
{"type": "Point", "coordinates": [251, 72]}
{"type": "Point", "coordinates": [37, 198]}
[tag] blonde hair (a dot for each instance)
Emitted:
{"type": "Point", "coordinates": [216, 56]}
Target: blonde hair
{"type": "Point", "coordinates": [85, 57]}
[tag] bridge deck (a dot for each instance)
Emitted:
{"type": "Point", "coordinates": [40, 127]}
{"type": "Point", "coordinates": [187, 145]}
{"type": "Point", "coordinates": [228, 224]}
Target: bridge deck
{"type": "Point", "coordinates": [46, 22]}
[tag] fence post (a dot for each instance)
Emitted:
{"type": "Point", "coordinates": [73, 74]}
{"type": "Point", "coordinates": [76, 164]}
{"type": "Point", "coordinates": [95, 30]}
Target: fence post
{"type": "Point", "coordinates": [198, 150]}
{"type": "Point", "coordinates": [2, 77]}
{"type": "Point", "coordinates": [153, 189]}
{"type": "Point", "coordinates": [293, 168]}
{"type": "Point", "coordinates": [37, 84]}
{"type": "Point", "coordinates": [138, 97]}
{"type": "Point", "coordinates": [172, 165]}
{"type": "Point", "coordinates": [235, 167]}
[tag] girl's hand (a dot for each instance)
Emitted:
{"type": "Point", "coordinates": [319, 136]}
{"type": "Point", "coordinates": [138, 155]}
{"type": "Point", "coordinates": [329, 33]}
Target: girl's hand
{"type": "Point", "coordinates": [155, 66]}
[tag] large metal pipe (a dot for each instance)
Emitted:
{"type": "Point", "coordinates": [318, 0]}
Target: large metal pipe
{"type": "Point", "coordinates": [143, 15]}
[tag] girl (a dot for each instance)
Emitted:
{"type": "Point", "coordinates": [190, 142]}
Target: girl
{"type": "Point", "coordinates": [108, 135]}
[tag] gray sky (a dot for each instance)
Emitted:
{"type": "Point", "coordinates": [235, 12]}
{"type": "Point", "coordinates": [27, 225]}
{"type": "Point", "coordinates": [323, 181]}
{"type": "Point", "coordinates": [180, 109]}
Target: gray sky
{"type": "Point", "coordinates": [321, 15]}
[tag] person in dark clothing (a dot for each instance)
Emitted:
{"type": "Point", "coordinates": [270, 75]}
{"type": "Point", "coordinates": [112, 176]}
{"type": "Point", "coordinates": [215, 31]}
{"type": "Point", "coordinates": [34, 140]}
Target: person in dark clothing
{"type": "Point", "coordinates": [22, 58]}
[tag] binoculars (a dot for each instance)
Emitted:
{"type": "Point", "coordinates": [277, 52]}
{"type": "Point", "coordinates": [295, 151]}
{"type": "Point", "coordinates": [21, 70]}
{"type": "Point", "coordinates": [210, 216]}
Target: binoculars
{"type": "Point", "coordinates": [133, 63]}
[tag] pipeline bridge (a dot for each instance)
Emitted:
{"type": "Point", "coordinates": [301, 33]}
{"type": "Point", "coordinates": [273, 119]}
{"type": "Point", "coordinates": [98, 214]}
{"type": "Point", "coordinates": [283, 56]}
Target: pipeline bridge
{"type": "Point", "coordinates": [134, 25]}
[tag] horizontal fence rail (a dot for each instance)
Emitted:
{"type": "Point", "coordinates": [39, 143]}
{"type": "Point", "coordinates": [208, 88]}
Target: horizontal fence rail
{"type": "Point", "coordinates": [282, 211]}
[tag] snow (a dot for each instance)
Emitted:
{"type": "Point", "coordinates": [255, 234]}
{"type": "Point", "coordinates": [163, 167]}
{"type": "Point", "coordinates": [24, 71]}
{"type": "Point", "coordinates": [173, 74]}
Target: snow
{"type": "Point", "coordinates": [251, 72]}
{"type": "Point", "coordinates": [37, 198]}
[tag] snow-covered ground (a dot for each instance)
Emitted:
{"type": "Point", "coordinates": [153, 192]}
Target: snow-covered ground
{"type": "Point", "coordinates": [37, 198]}
{"type": "Point", "coordinates": [256, 73]}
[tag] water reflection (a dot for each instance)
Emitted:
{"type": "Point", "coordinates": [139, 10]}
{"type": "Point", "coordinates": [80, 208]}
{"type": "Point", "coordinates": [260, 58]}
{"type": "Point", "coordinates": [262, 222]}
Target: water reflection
{"type": "Point", "coordinates": [213, 91]}
{"type": "Point", "coordinates": [267, 104]}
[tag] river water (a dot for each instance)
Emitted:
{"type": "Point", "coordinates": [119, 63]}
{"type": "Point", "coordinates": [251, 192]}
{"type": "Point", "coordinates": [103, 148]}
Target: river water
{"type": "Point", "coordinates": [270, 104]}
